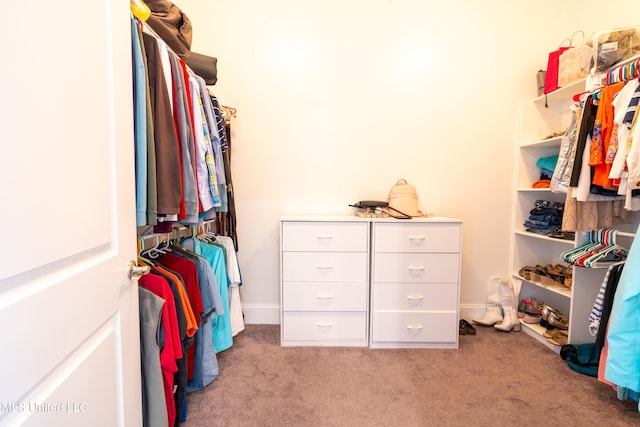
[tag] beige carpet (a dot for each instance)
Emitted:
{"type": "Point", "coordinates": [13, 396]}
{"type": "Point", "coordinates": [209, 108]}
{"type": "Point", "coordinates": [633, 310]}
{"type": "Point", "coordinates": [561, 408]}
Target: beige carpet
{"type": "Point", "coordinates": [493, 379]}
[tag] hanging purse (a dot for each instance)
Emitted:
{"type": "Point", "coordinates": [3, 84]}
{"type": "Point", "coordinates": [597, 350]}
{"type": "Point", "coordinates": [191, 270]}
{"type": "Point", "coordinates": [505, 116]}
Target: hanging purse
{"type": "Point", "coordinates": [553, 65]}
{"type": "Point", "coordinates": [403, 200]}
{"type": "Point", "coordinates": [573, 63]}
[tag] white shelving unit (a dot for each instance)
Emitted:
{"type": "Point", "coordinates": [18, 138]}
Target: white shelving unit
{"type": "Point", "coordinates": [539, 118]}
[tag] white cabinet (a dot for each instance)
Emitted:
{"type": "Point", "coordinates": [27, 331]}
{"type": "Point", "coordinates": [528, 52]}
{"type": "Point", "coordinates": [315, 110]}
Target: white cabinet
{"type": "Point", "coordinates": [324, 270]}
{"type": "Point", "coordinates": [415, 283]}
{"type": "Point", "coordinates": [338, 290]}
{"type": "Point", "coordinates": [539, 118]}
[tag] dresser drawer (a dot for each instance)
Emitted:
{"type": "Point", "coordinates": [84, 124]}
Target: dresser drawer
{"type": "Point", "coordinates": [324, 267]}
{"type": "Point", "coordinates": [330, 296]}
{"type": "Point", "coordinates": [324, 326]}
{"type": "Point", "coordinates": [415, 327]}
{"type": "Point", "coordinates": [416, 237]}
{"type": "Point", "coordinates": [415, 296]}
{"type": "Point", "coordinates": [415, 268]}
{"type": "Point", "coordinates": [325, 236]}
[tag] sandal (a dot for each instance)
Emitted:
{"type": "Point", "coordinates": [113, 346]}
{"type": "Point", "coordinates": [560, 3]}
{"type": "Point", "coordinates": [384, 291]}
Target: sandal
{"type": "Point", "coordinates": [525, 272]}
{"type": "Point", "coordinates": [556, 336]}
{"type": "Point", "coordinates": [466, 328]}
{"type": "Point", "coordinates": [558, 320]}
{"type": "Point", "coordinates": [530, 306]}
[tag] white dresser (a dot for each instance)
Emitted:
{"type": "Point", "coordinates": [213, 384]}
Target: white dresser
{"type": "Point", "coordinates": [388, 283]}
{"type": "Point", "coordinates": [415, 283]}
{"type": "Point", "coordinates": [324, 270]}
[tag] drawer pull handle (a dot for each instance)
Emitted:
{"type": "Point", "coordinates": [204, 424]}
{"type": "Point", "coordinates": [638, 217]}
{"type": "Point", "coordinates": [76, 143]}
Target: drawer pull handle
{"type": "Point", "coordinates": [414, 326]}
{"type": "Point", "coordinates": [324, 267]}
{"type": "Point", "coordinates": [416, 268]}
{"type": "Point", "coordinates": [324, 296]}
{"type": "Point", "coordinates": [325, 325]}
{"type": "Point", "coordinates": [417, 237]}
{"type": "Point", "coordinates": [326, 236]}
{"type": "Point", "coordinates": [415, 297]}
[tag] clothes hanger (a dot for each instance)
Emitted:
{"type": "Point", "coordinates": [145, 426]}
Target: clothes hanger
{"type": "Point", "coordinates": [610, 254]}
{"type": "Point", "coordinates": [600, 250]}
{"type": "Point", "coordinates": [142, 259]}
{"type": "Point", "coordinates": [207, 236]}
{"type": "Point", "coordinates": [589, 246]}
{"type": "Point", "coordinates": [569, 254]}
{"type": "Point", "coordinates": [157, 251]}
{"type": "Point", "coordinates": [601, 244]}
{"type": "Point", "coordinates": [177, 247]}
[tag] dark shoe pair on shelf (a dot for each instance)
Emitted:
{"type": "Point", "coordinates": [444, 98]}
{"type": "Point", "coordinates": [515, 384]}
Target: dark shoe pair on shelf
{"type": "Point", "coordinates": [466, 328]}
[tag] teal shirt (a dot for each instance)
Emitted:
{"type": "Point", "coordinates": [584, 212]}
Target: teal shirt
{"type": "Point", "coordinates": [222, 337]}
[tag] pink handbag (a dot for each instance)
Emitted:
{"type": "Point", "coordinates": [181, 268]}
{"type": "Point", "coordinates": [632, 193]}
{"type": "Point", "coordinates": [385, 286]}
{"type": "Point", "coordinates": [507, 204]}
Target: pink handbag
{"type": "Point", "coordinates": [553, 66]}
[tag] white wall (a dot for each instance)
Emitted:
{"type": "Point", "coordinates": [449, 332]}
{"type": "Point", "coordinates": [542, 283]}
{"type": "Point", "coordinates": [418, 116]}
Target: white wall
{"type": "Point", "coordinates": [337, 99]}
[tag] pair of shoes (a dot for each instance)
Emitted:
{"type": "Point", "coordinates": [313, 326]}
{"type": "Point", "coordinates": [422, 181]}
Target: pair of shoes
{"type": "Point", "coordinates": [532, 318]}
{"type": "Point", "coordinates": [558, 320]}
{"type": "Point", "coordinates": [557, 336]}
{"type": "Point", "coordinates": [559, 275]}
{"type": "Point", "coordinates": [530, 306]}
{"type": "Point", "coordinates": [525, 272]}
{"type": "Point", "coordinates": [466, 328]}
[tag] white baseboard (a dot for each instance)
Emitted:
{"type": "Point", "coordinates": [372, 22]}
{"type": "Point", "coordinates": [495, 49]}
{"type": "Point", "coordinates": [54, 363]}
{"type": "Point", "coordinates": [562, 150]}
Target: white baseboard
{"type": "Point", "coordinates": [269, 314]}
{"type": "Point", "coordinates": [261, 314]}
{"type": "Point", "coordinates": [471, 311]}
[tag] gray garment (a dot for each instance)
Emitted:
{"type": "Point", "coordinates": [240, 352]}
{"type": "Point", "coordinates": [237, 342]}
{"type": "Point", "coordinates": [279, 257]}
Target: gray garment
{"type": "Point", "coordinates": [562, 173]}
{"type": "Point", "coordinates": [154, 405]}
{"type": "Point", "coordinates": [185, 136]}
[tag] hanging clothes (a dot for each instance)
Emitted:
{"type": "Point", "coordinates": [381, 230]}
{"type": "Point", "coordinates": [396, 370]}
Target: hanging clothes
{"type": "Point", "coordinates": [171, 349]}
{"type": "Point", "coordinates": [168, 179]}
{"type": "Point", "coordinates": [154, 404]}
{"type": "Point", "coordinates": [604, 300]}
{"type": "Point", "coordinates": [222, 335]}
{"type": "Point", "coordinates": [617, 153]}
{"type": "Point", "coordinates": [602, 131]}
{"type": "Point", "coordinates": [205, 363]}
{"type": "Point", "coordinates": [188, 272]}
{"type": "Point", "coordinates": [235, 281]}
{"type": "Point", "coordinates": [623, 335]}
{"type": "Point", "coordinates": [182, 175]}
{"type": "Point", "coordinates": [182, 120]}
{"type": "Point", "coordinates": [140, 125]}
{"type": "Point", "coordinates": [185, 172]}
{"type": "Point", "coordinates": [562, 172]}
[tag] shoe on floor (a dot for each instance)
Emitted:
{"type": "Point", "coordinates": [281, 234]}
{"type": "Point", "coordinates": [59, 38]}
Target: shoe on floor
{"type": "Point", "coordinates": [466, 328]}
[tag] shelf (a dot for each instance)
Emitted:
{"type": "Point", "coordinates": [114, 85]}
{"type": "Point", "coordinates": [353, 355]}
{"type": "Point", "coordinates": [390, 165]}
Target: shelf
{"type": "Point", "coordinates": [562, 93]}
{"type": "Point", "coordinates": [534, 190]}
{"type": "Point", "coordinates": [558, 289]}
{"type": "Point", "coordinates": [550, 142]}
{"type": "Point", "coordinates": [538, 118]}
{"type": "Point", "coordinates": [536, 331]}
{"type": "Point", "coordinates": [543, 237]}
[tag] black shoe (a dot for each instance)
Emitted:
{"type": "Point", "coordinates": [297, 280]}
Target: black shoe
{"type": "Point", "coordinates": [466, 328]}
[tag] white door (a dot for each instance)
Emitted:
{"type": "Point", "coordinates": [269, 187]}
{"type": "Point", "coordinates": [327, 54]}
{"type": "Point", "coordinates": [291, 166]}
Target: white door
{"type": "Point", "coordinates": [69, 335]}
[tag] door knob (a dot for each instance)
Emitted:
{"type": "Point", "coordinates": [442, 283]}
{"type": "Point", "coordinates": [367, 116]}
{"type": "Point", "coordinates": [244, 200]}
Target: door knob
{"type": "Point", "coordinates": [137, 271]}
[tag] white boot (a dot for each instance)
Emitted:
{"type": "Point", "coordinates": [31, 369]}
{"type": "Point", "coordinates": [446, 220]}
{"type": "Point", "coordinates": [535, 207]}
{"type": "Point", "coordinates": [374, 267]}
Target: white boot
{"type": "Point", "coordinates": [493, 314]}
{"type": "Point", "coordinates": [509, 307]}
